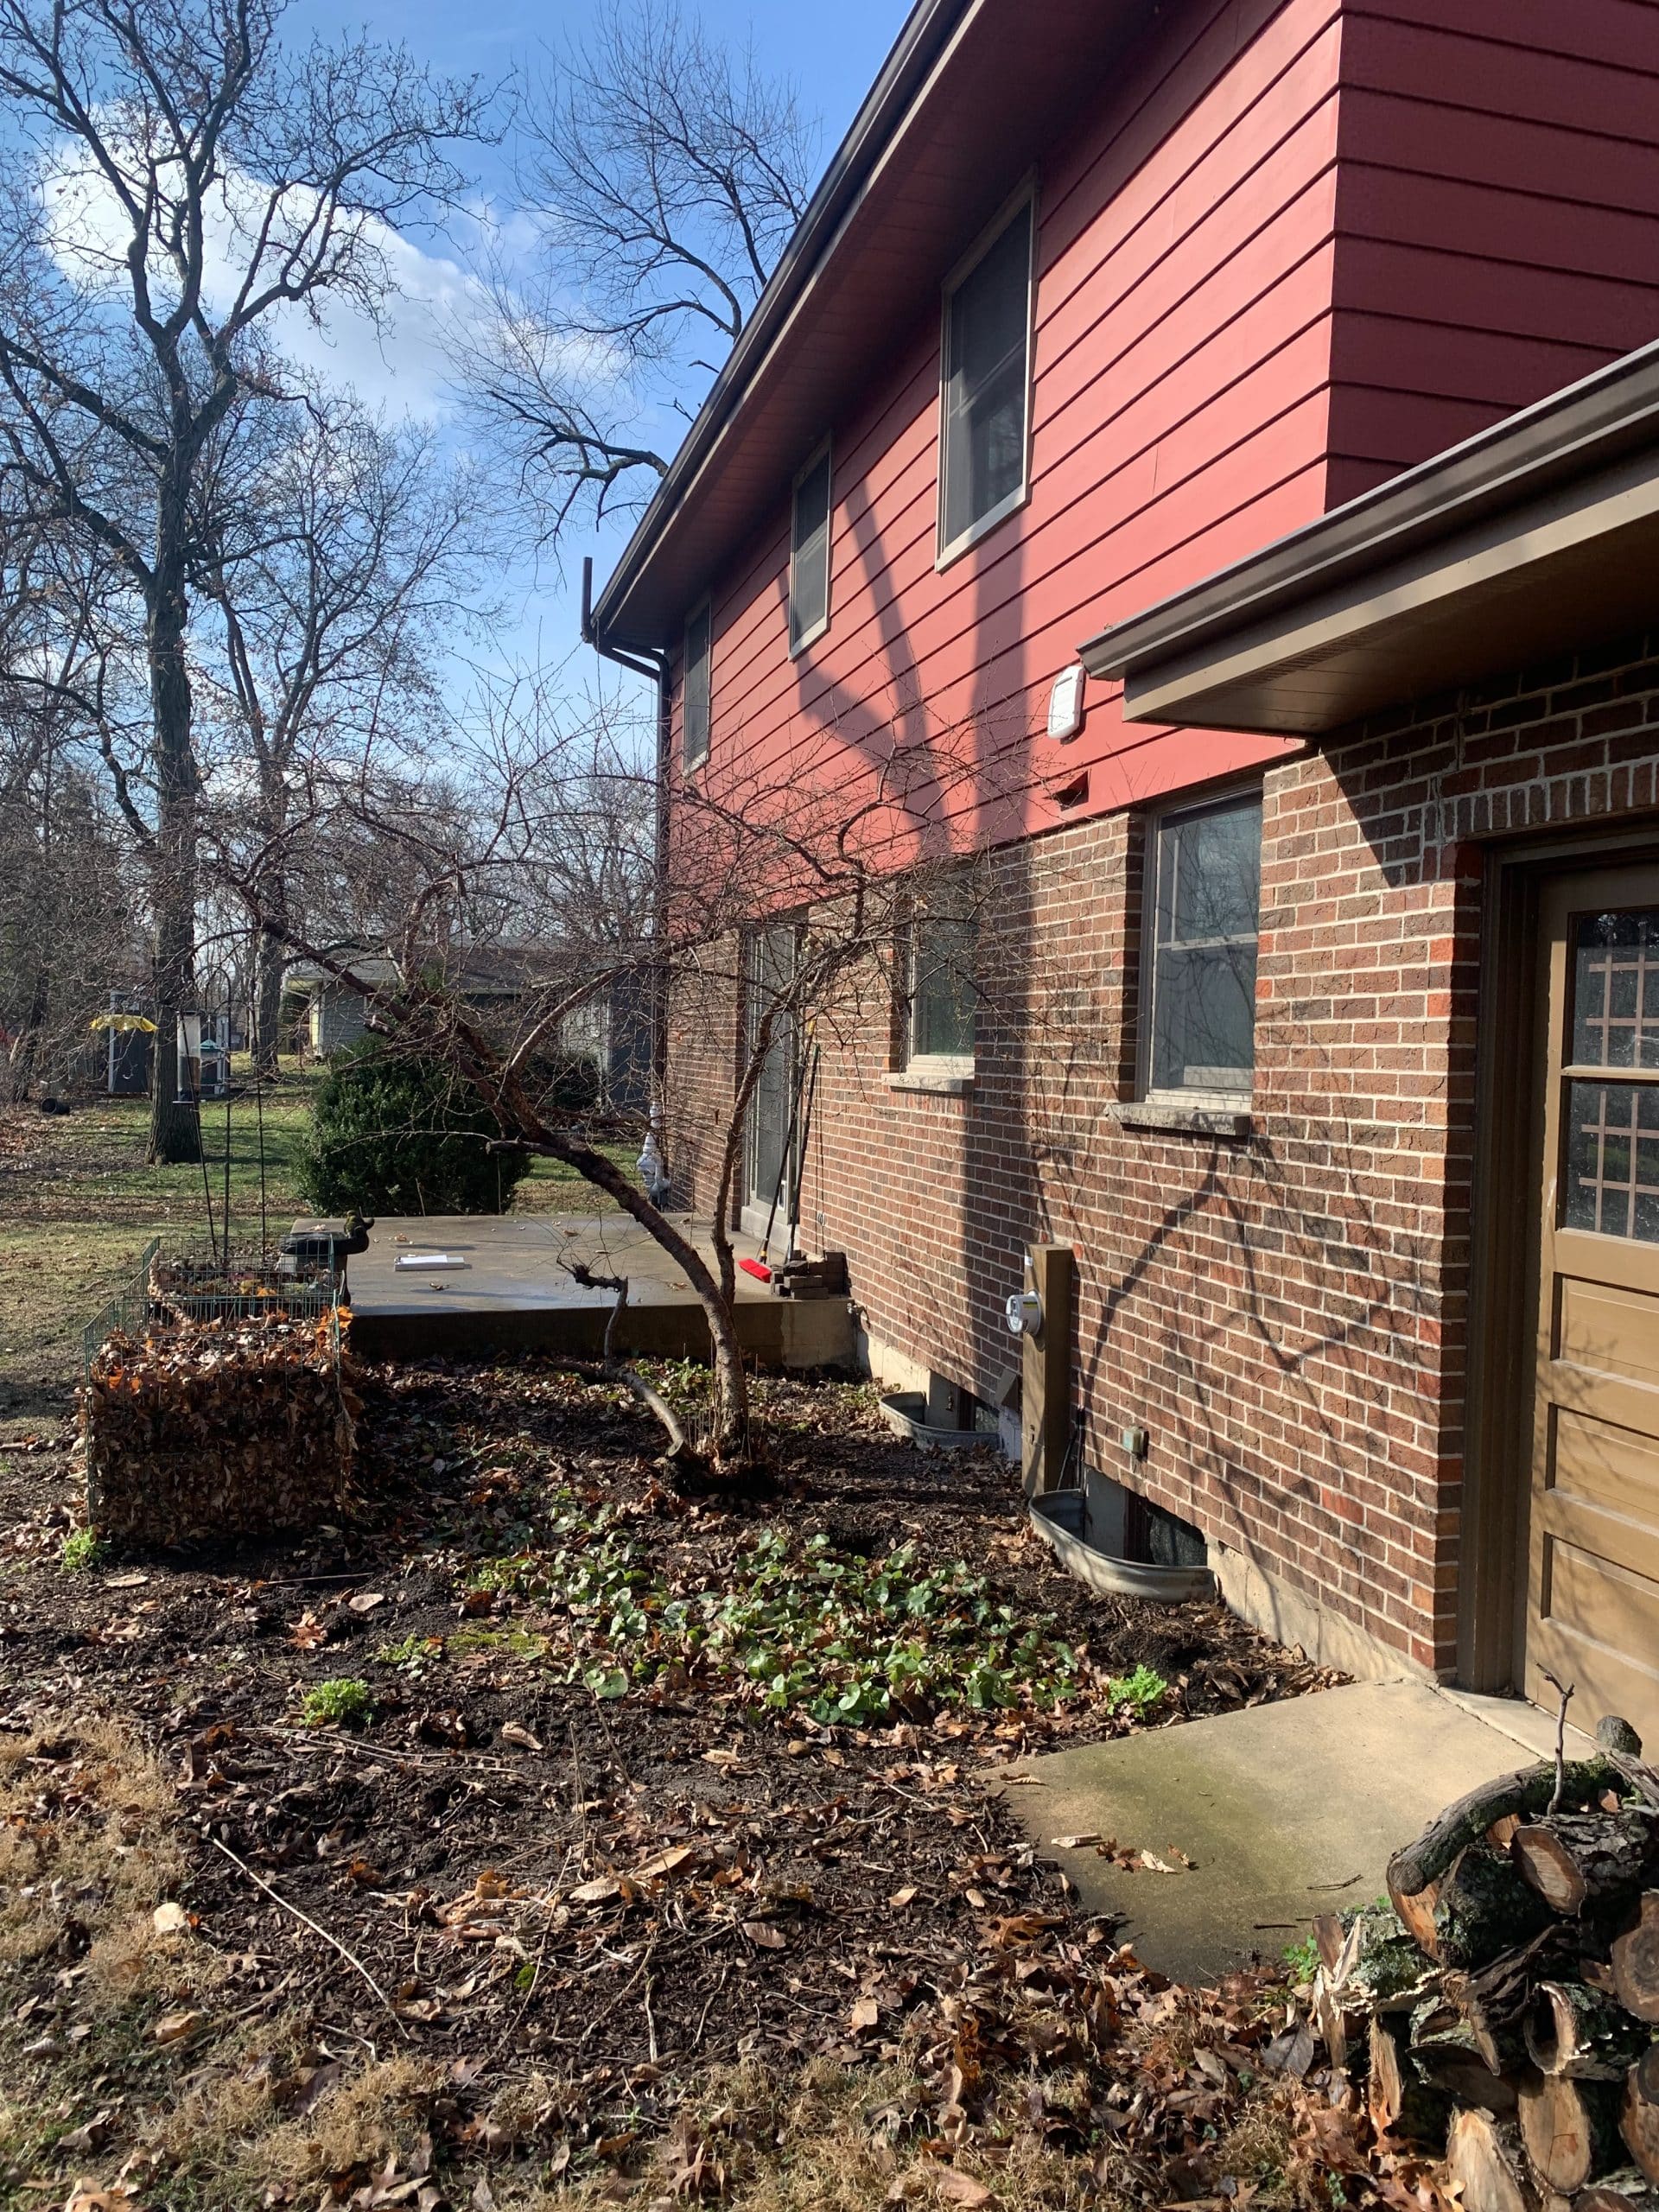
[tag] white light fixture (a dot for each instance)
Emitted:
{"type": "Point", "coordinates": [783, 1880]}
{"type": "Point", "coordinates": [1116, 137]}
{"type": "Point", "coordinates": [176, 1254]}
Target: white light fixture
{"type": "Point", "coordinates": [1065, 702]}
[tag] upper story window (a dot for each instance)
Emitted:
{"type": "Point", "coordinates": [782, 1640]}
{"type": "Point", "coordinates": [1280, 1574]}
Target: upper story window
{"type": "Point", "coordinates": [1206, 872]}
{"type": "Point", "coordinates": [694, 694]}
{"type": "Point", "coordinates": [985, 380]}
{"type": "Point", "coordinates": [808, 553]}
{"type": "Point", "coordinates": [943, 1006]}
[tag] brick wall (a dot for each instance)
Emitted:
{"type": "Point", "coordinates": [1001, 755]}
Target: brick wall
{"type": "Point", "coordinates": [1284, 1312]}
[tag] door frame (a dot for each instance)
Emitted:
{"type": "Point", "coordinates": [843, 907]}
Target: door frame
{"type": "Point", "coordinates": [1494, 1537]}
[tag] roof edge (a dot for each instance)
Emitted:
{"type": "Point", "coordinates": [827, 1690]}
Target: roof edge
{"type": "Point", "coordinates": [1586, 423]}
{"type": "Point", "coordinates": [926, 31]}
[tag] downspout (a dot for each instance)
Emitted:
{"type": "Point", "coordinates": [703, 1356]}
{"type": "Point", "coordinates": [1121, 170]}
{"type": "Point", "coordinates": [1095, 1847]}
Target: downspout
{"type": "Point", "coordinates": [644, 662]}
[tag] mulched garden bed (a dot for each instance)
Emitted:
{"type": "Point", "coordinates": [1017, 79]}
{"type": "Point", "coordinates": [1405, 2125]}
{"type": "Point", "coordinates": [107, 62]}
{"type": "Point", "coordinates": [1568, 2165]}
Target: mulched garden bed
{"type": "Point", "coordinates": [542, 1802]}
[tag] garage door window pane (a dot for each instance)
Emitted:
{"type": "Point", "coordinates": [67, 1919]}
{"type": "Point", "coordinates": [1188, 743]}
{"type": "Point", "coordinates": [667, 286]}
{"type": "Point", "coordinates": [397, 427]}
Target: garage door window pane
{"type": "Point", "coordinates": [1612, 1160]}
{"type": "Point", "coordinates": [1208, 892]}
{"type": "Point", "coordinates": [1615, 991]}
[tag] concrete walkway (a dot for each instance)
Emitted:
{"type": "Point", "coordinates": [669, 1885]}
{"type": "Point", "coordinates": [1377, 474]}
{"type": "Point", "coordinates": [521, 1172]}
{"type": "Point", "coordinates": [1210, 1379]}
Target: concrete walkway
{"type": "Point", "coordinates": [1285, 1810]}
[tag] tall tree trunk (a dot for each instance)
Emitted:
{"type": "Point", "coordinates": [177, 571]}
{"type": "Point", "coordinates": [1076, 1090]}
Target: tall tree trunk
{"type": "Point", "coordinates": [174, 1128]}
{"type": "Point", "coordinates": [21, 1066]}
{"type": "Point", "coordinates": [270, 959]}
{"type": "Point", "coordinates": [270, 930]}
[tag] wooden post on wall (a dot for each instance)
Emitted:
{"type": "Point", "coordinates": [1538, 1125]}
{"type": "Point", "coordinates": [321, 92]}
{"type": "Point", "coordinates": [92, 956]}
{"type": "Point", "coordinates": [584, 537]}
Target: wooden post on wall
{"type": "Point", "coordinates": [1045, 1374]}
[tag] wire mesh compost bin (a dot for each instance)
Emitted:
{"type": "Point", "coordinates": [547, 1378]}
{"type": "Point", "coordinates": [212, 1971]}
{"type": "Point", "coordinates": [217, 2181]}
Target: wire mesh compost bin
{"type": "Point", "coordinates": [218, 1401]}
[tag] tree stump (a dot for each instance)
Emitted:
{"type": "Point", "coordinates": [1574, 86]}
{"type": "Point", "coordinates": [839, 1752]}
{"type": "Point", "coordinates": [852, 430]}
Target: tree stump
{"type": "Point", "coordinates": [1638, 2119]}
{"type": "Point", "coordinates": [1634, 1962]}
{"type": "Point", "coordinates": [1569, 2130]}
{"type": "Point", "coordinates": [1571, 1859]}
{"type": "Point", "coordinates": [1482, 2156]}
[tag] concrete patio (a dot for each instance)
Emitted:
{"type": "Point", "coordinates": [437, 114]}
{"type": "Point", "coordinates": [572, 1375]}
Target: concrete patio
{"type": "Point", "coordinates": [514, 1291]}
{"type": "Point", "coordinates": [1286, 1811]}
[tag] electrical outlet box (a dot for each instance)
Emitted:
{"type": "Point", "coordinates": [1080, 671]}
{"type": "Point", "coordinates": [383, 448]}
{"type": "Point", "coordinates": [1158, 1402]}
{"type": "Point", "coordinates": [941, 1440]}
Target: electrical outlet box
{"type": "Point", "coordinates": [1135, 1443]}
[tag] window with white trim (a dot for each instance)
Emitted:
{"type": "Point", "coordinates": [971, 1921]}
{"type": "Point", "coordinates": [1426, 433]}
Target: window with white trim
{"type": "Point", "coordinates": [693, 692]}
{"type": "Point", "coordinates": [985, 380]}
{"type": "Point", "coordinates": [1206, 888]}
{"type": "Point", "coordinates": [808, 553]}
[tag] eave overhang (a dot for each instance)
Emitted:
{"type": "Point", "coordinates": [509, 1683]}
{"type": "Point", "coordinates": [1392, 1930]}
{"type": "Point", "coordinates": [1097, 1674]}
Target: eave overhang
{"type": "Point", "coordinates": [966, 102]}
{"type": "Point", "coordinates": [1537, 535]}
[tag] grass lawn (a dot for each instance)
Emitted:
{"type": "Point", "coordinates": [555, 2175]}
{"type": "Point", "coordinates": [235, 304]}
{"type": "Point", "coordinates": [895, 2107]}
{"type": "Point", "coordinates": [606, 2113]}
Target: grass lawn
{"type": "Point", "coordinates": [79, 1202]}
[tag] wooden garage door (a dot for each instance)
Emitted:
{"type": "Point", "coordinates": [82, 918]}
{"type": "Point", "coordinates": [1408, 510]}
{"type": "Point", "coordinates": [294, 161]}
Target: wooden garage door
{"type": "Point", "coordinates": [1594, 1569]}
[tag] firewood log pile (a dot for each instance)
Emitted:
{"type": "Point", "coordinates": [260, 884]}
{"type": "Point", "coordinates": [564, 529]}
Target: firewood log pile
{"type": "Point", "coordinates": [1504, 2012]}
{"type": "Point", "coordinates": [239, 1426]}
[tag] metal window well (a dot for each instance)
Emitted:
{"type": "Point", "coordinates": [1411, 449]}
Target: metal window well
{"type": "Point", "coordinates": [1061, 1519]}
{"type": "Point", "coordinates": [217, 1402]}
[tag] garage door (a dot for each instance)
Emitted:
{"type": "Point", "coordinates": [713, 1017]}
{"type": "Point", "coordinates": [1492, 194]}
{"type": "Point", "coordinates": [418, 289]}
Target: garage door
{"type": "Point", "coordinates": [1593, 1594]}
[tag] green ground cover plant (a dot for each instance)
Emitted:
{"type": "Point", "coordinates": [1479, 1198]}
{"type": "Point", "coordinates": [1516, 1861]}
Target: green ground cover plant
{"type": "Point", "coordinates": [794, 1626]}
{"type": "Point", "coordinates": [342, 1701]}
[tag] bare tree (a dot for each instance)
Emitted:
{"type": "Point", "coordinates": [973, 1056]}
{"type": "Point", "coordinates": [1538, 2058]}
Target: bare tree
{"type": "Point", "coordinates": [173, 179]}
{"type": "Point", "coordinates": [355, 550]}
{"type": "Point", "coordinates": [664, 174]}
{"type": "Point", "coordinates": [553, 855]}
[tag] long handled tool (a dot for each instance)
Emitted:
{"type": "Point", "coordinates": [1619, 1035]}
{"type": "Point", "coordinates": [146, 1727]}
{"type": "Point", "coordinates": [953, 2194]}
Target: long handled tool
{"type": "Point", "coordinates": [760, 1268]}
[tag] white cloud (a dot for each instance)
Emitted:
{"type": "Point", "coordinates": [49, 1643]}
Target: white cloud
{"type": "Point", "coordinates": [402, 362]}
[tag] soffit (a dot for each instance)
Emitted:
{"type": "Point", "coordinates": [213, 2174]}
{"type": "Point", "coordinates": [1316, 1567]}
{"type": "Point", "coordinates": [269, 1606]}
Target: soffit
{"type": "Point", "coordinates": [927, 165]}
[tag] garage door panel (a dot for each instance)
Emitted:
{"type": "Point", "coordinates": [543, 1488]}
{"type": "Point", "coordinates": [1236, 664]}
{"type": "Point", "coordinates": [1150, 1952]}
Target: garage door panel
{"type": "Point", "coordinates": [1601, 1621]}
{"type": "Point", "coordinates": [1609, 1329]}
{"type": "Point", "coordinates": [1594, 1579]}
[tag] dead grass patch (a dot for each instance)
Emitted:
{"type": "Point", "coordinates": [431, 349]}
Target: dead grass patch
{"type": "Point", "coordinates": [87, 1848]}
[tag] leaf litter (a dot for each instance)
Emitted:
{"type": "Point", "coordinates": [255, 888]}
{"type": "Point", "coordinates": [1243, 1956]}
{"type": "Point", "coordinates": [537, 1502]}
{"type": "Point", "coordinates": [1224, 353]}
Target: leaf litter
{"type": "Point", "coordinates": [641, 1798]}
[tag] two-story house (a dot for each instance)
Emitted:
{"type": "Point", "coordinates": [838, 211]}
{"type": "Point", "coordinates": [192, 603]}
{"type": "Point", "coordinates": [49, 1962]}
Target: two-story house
{"type": "Point", "coordinates": [1063, 442]}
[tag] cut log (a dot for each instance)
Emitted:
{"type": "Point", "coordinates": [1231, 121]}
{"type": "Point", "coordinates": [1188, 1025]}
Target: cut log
{"type": "Point", "coordinates": [1638, 2119]}
{"type": "Point", "coordinates": [1483, 2157]}
{"type": "Point", "coordinates": [1571, 1859]}
{"type": "Point", "coordinates": [1634, 1962]}
{"type": "Point", "coordinates": [1577, 2032]}
{"type": "Point", "coordinates": [1370, 1962]}
{"type": "Point", "coordinates": [1614, 1734]}
{"type": "Point", "coordinates": [1528, 1791]}
{"type": "Point", "coordinates": [1399, 2101]}
{"type": "Point", "coordinates": [1479, 1909]}
{"type": "Point", "coordinates": [1628, 2191]}
{"type": "Point", "coordinates": [1569, 2129]}
{"type": "Point", "coordinates": [1467, 2081]}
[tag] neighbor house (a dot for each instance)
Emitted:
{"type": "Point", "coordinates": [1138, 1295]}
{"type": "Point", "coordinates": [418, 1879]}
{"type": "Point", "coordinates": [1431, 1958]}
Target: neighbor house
{"type": "Point", "coordinates": [610, 1030]}
{"type": "Point", "coordinates": [1092, 420]}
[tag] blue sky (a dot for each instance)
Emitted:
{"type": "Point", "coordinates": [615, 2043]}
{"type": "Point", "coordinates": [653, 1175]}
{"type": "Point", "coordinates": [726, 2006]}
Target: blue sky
{"type": "Point", "coordinates": [494, 37]}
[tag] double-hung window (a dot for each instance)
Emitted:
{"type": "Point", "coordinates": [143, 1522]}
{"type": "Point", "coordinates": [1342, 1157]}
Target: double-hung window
{"type": "Point", "coordinates": [944, 1002]}
{"type": "Point", "coordinates": [985, 380]}
{"type": "Point", "coordinates": [694, 691]}
{"type": "Point", "coordinates": [1206, 882]}
{"type": "Point", "coordinates": [808, 553]}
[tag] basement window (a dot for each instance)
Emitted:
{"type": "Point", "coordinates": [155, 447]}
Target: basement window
{"type": "Point", "coordinates": [1206, 874]}
{"type": "Point", "coordinates": [695, 700]}
{"type": "Point", "coordinates": [808, 553]}
{"type": "Point", "coordinates": [985, 376]}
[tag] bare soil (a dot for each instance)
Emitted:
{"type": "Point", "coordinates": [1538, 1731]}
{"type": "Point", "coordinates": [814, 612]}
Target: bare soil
{"type": "Point", "coordinates": [563, 1915]}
